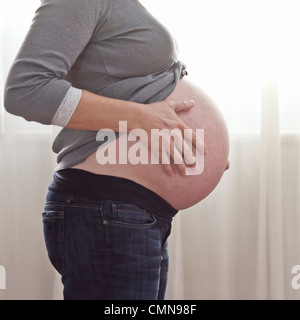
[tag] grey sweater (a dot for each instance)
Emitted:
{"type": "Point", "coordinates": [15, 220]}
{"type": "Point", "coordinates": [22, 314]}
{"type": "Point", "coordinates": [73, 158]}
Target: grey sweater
{"type": "Point", "coordinates": [114, 48]}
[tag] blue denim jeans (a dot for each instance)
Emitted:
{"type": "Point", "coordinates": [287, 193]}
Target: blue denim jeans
{"type": "Point", "coordinates": [106, 250]}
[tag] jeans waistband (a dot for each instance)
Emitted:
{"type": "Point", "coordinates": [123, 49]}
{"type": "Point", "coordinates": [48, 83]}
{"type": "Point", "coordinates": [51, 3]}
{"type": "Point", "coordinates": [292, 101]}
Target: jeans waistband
{"type": "Point", "coordinates": [85, 184]}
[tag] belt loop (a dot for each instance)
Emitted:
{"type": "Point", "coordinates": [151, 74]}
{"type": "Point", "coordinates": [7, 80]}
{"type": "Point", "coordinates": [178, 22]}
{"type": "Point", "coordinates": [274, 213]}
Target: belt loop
{"type": "Point", "coordinates": [69, 199]}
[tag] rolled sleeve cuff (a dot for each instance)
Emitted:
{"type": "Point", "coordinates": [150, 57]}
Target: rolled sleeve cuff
{"type": "Point", "coordinates": [67, 107]}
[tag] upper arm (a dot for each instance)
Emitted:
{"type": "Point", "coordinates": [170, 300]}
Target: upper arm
{"type": "Point", "coordinates": [60, 30]}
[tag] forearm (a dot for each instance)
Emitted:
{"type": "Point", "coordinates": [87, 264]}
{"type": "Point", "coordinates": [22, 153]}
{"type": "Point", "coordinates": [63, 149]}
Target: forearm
{"type": "Point", "coordinates": [96, 112]}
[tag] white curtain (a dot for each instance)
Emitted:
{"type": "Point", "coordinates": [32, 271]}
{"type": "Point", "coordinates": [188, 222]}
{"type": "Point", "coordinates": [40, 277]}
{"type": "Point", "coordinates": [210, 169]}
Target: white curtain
{"type": "Point", "coordinates": [243, 240]}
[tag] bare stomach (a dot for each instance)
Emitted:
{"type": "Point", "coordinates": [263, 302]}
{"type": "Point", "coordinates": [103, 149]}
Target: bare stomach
{"type": "Point", "coordinates": [180, 192]}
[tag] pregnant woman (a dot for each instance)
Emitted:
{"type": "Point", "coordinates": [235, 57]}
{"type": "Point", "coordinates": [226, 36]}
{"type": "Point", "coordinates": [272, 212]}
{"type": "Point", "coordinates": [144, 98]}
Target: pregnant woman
{"type": "Point", "coordinates": [86, 65]}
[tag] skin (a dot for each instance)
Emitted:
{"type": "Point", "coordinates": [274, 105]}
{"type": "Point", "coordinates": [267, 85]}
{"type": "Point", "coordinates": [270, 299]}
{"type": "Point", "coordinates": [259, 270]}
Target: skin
{"type": "Point", "coordinates": [95, 112]}
{"type": "Point", "coordinates": [177, 111]}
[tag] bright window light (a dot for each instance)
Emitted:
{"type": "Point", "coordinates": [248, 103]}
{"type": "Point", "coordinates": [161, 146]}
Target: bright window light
{"type": "Point", "coordinates": [228, 46]}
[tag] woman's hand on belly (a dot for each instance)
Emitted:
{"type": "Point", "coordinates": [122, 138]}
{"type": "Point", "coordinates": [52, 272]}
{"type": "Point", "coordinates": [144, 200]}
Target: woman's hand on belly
{"type": "Point", "coordinates": [163, 116]}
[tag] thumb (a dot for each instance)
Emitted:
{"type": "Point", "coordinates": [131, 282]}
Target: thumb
{"type": "Point", "coordinates": [183, 105]}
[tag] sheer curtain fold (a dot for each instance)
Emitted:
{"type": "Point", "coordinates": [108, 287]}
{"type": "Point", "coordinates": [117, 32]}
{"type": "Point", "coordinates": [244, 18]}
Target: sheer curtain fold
{"type": "Point", "coordinates": [270, 271]}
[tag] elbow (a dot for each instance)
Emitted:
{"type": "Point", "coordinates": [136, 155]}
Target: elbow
{"type": "Point", "coordinates": [16, 103]}
{"type": "Point", "coordinates": [34, 92]}
{"type": "Point", "coordinates": [34, 98]}
{"type": "Point", "coordinates": [10, 102]}
{"type": "Point", "coordinates": [26, 103]}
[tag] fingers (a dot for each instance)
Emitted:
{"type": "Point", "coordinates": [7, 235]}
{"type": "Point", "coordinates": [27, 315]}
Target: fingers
{"type": "Point", "coordinates": [176, 154]}
{"type": "Point", "coordinates": [195, 138]}
{"type": "Point", "coordinates": [170, 153]}
{"type": "Point", "coordinates": [185, 146]}
{"type": "Point", "coordinates": [169, 170]}
{"type": "Point", "coordinates": [184, 105]}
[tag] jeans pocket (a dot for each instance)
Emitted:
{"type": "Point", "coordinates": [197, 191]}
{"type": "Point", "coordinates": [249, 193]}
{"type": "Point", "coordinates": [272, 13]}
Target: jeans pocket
{"type": "Point", "coordinates": [131, 216]}
{"type": "Point", "coordinates": [53, 227]}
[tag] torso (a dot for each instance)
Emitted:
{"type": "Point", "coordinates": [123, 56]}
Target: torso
{"type": "Point", "coordinates": [180, 191]}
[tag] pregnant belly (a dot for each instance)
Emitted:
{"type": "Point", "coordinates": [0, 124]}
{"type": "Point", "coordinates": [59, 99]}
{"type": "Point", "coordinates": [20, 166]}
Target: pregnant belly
{"type": "Point", "coordinates": [180, 191]}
